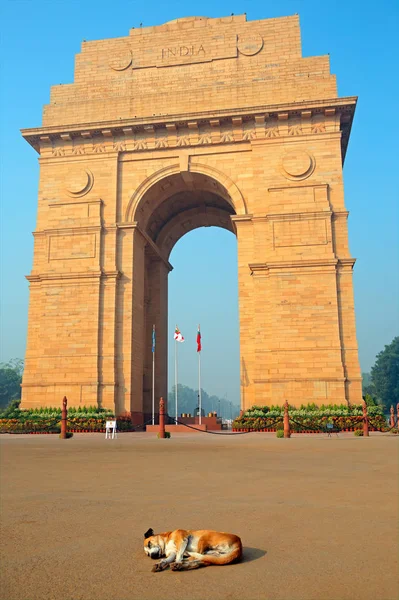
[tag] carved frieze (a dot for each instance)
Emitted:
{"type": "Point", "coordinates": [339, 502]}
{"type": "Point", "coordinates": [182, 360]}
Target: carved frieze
{"type": "Point", "coordinates": [231, 129]}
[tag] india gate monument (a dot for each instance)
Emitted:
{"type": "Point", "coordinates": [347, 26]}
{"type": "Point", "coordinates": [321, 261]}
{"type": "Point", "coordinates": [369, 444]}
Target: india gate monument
{"type": "Point", "coordinates": [197, 122]}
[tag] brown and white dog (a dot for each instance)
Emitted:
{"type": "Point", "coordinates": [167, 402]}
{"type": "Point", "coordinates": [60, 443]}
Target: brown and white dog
{"type": "Point", "coordinates": [186, 549]}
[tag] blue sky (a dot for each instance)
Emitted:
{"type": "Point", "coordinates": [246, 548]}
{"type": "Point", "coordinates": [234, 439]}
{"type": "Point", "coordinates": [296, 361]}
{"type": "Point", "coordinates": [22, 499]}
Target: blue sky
{"type": "Point", "coordinates": [38, 44]}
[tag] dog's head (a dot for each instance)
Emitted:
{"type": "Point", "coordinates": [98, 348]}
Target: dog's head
{"type": "Point", "coordinates": [154, 545]}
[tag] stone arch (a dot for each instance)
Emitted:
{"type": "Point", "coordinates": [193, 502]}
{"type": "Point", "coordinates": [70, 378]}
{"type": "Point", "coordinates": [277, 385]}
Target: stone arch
{"type": "Point", "coordinates": [234, 194]}
{"type": "Point", "coordinates": [188, 221]}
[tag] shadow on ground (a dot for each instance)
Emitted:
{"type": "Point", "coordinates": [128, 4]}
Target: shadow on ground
{"type": "Point", "coordinates": [250, 554]}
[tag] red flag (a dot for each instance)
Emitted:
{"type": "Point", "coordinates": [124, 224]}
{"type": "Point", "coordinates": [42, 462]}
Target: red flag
{"type": "Point", "coordinates": [199, 347]}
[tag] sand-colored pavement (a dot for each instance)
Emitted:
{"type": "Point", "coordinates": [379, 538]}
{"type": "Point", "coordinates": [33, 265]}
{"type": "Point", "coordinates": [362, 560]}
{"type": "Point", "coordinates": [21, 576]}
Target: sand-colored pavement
{"type": "Point", "coordinates": [318, 516]}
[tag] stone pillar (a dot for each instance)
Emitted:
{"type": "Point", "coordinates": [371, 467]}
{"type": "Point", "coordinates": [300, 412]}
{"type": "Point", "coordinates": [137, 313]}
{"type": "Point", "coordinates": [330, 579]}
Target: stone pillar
{"type": "Point", "coordinates": [347, 328]}
{"type": "Point", "coordinates": [365, 420]}
{"type": "Point", "coordinates": [287, 431]}
{"type": "Point", "coordinates": [106, 340]}
{"type": "Point", "coordinates": [244, 232]}
{"type": "Point", "coordinates": [138, 329]}
{"type": "Point", "coordinates": [392, 417]}
{"type": "Point", "coordinates": [123, 323]}
{"type": "Point", "coordinates": [161, 418]}
{"type": "Point", "coordinates": [64, 417]}
{"type": "Point", "coordinates": [130, 330]}
{"type": "Point", "coordinates": [156, 313]}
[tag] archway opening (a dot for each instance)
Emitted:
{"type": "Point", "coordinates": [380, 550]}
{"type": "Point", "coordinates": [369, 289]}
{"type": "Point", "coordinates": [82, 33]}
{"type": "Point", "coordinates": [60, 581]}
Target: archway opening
{"type": "Point", "coordinates": [203, 290]}
{"type": "Point", "coordinates": [168, 210]}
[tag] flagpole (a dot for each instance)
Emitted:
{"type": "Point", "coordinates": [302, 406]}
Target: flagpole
{"type": "Point", "coordinates": [176, 379]}
{"type": "Point", "coordinates": [199, 387]}
{"type": "Point", "coordinates": [153, 374]}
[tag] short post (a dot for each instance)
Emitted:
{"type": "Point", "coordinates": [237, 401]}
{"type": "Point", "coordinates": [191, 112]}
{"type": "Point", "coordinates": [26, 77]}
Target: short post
{"type": "Point", "coordinates": [161, 418]}
{"type": "Point", "coordinates": [287, 432]}
{"type": "Point", "coordinates": [365, 420]}
{"type": "Point", "coordinates": [397, 415]}
{"type": "Point", "coordinates": [392, 419]}
{"type": "Point", "coordinates": [64, 416]}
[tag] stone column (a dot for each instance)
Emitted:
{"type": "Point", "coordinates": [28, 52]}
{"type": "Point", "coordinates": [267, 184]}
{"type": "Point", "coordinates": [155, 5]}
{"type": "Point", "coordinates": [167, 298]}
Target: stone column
{"type": "Point", "coordinates": [347, 325]}
{"type": "Point", "coordinates": [156, 313]}
{"type": "Point", "coordinates": [129, 334]}
{"type": "Point", "coordinates": [138, 328]}
{"type": "Point", "coordinates": [244, 232]}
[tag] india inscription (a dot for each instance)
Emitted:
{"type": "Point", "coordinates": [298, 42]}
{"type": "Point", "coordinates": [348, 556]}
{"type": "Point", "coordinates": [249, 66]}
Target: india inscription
{"type": "Point", "coordinates": [134, 155]}
{"type": "Point", "coordinates": [182, 51]}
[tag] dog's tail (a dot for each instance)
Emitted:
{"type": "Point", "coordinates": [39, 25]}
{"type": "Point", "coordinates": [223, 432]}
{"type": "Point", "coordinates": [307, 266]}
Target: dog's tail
{"type": "Point", "coordinates": [234, 554]}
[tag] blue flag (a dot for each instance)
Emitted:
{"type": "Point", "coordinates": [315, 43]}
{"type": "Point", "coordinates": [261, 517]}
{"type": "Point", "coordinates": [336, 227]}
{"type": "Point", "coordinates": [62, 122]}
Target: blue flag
{"type": "Point", "coordinates": [153, 338]}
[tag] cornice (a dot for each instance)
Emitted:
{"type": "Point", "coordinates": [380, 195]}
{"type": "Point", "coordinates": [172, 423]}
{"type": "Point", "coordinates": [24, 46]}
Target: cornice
{"type": "Point", "coordinates": [346, 262]}
{"type": "Point", "coordinates": [261, 268]}
{"type": "Point", "coordinates": [241, 218]}
{"type": "Point", "coordinates": [299, 216]}
{"type": "Point", "coordinates": [264, 268]}
{"type": "Point", "coordinates": [266, 122]}
{"type": "Point", "coordinates": [297, 185]}
{"type": "Point", "coordinates": [68, 230]}
{"type": "Point", "coordinates": [39, 277]}
{"type": "Point", "coordinates": [340, 214]}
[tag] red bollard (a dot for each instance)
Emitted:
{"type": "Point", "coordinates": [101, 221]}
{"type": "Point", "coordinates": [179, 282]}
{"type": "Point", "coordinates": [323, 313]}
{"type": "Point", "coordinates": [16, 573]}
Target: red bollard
{"type": "Point", "coordinates": [392, 419]}
{"type": "Point", "coordinates": [365, 420]}
{"type": "Point", "coordinates": [161, 418]}
{"type": "Point", "coordinates": [287, 432]}
{"type": "Point", "coordinates": [64, 416]}
{"type": "Point", "coordinates": [397, 415]}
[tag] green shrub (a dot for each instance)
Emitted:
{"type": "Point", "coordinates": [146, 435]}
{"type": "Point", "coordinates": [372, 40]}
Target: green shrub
{"type": "Point", "coordinates": [167, 435]}
{"type": "Point", "coordinates": [358, 432]}
{"type": "Point", "coordinates": [310, 417]}
{"type": "Point", "coordinates": [280, 433]}
{"type": "Point", "coordinates": [395, 430]}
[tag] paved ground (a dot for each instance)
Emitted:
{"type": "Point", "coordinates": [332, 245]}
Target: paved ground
{"type": "Point", "coordinates": [318, 516]}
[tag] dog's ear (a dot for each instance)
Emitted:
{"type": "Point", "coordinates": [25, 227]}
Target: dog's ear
{"type": "Point", "coordinates": [148, 533]}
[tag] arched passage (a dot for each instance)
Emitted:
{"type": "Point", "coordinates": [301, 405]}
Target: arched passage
{"type": "Point", "coordinates": [163, 212]}
{"type": "Point", "coordinates": [203, 288]}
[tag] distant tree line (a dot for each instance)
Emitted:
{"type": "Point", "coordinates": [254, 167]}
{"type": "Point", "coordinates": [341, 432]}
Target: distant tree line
{"type": "Point", "coordinates": [382, 383]}
{"type": "Point", "coordinates": [10, 381]}
{"type": "Point", "coordinates": [187, 399]}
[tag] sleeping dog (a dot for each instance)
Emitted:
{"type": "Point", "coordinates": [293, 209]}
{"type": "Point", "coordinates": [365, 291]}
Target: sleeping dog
{"type": "Point", "coordinates": [186, 549]}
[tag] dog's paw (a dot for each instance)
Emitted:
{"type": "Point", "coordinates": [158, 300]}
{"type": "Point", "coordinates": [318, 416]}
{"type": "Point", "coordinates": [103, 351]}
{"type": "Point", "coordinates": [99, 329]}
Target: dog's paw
{"type": "Point", "coordinates": [158, 567]}
{"type": "Point", "coordinates": [176, 566]}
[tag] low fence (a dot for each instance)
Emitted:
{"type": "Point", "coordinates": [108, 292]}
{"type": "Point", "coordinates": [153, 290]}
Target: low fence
{"type": "Point", "coordinates": [65, 420]}
{"type": "Point", "coordinates": [316, 423]}
{"type": "Point", "coordinates": [72, 421]}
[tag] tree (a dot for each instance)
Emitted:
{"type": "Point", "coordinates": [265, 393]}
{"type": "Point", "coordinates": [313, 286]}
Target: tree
{"type": "Point", "coordinates": [368, 389]}
{"type": "Point", "coordinates": [17, 364]}
{"type": "Point", "coordinates": [10, 381]}
{"type": "Point", "coordinates": [366, 380]}
{"type": "Point", "coordinates": [385, 374]}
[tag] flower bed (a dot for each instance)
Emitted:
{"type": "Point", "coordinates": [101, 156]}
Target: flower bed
{"type": "Point", "coordinates": [48, 420]}
{"type": "Point", "coordinates": [310, 418]}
